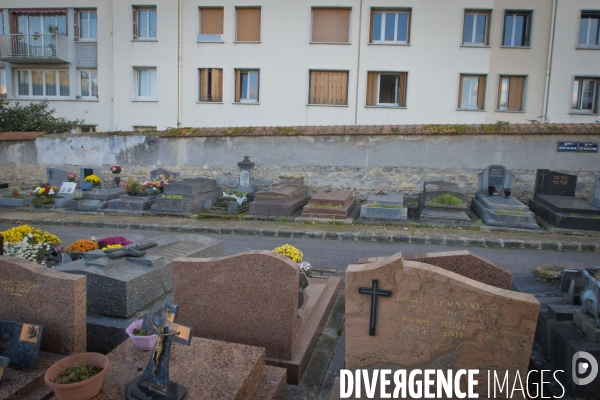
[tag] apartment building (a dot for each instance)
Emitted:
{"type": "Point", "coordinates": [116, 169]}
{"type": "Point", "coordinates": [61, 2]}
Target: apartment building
{"type": "Point", "coordinates": [123, 65]}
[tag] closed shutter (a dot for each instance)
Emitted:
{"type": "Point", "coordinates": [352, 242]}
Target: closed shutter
{"type": "Point", "coordinates": [481, 93]}
{"type": "Point", "coordinates": [76, 24]}
{"type": "Point", "coordinates": [331, 25]}
{"type": "Point", "coordinates": [217, 85]}
{"type": "Point", "coordinates": [237, 85]}
{"type": "Point", "coordinates": [515, 93]}
{"type": "Point", "coordinates": [204, 84]}
{"type": "Point", "coordinates": [211, 21]}
{"type": "Point", "coordinates": [460, 89]}
{"type": "Point", "coordinates": [402, 81]}
{"type": "Point", "coordinates": [135, 15]}
{"type": "Point", "coordinates": [319, 87]}
{"type": "Point", "coordinates": [248, 25]}
{"type": "Point", "coordinates": [372, 78]}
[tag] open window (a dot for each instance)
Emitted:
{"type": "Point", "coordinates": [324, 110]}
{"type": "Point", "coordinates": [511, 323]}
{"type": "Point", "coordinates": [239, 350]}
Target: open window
{"type": "Point", "coordinates": [386, 89]}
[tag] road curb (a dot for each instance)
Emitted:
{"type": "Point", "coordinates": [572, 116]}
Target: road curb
{"type": "Point", "coordinates": [345, 236]}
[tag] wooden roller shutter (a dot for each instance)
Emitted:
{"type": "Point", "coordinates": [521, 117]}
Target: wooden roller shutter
{"type": "Point", "coordinates": [338, 88]}
{"type": "Point", "coordinates": [515, 93]}
{"type": "Point", "coordinates": [211, 21]}
{"type": "Point", "coordinates": [217, 85]}
{"type": "Point", "coordinates": [319, 87]}
{"type": "Point", "coordinates": [331, 25]}
{"type": "Point", "coordinates": [481, 92]}
{"type": "Point", "coordinates": [248, 25]}
{"type": "Point", "coordinates": [237, 85]}
{"type": "Point", "coordinates": [204, 84]}
{"type": "Point", "coordinates": [372, 78]}
{"type": "Point", "coordinates": [402, 80]}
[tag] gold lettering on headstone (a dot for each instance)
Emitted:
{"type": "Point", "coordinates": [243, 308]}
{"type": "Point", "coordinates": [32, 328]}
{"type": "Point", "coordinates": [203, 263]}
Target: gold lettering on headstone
{"type": "Point", "coordinates": [18, 288]}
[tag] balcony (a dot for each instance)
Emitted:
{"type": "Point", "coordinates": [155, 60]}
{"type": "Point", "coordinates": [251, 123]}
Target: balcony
{"type": "Point", "coordinates": [34, 48]}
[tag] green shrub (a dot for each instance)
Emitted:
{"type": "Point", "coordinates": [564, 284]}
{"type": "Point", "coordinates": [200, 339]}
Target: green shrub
{"type": "Point", "coordinates": [33, 117]}
{"type": "Point", "coordinates": [446, 199]}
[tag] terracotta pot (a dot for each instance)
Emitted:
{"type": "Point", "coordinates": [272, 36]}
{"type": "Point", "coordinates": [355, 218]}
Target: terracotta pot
{"type": "Point", "coordinates": [81, 390]}
{"type": "Point", "coordinates": [144, 343]}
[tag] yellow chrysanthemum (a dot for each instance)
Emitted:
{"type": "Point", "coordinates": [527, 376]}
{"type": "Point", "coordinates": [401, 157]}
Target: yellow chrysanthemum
{"type": "Point", "coordinates": [18, 233]}
{"type": "Point", "coordinates": [290, 252]}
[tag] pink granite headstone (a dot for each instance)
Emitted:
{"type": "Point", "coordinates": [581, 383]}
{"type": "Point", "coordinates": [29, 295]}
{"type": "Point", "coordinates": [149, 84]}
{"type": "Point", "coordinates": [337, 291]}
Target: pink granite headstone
{"type": "Point", "coordinates": [33, 294]}
{"type": "Point", "coordinates": [249, 298]}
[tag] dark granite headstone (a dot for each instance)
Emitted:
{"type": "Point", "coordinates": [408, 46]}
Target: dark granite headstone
{"type": "Point", "coordinates": [596, 200]}
{"type": "Point", "coordinates": [496, 175]}
{"type": "Point", "coordinates": [56, 176]}
{"type": "Point", "coordinates": [85, 172]}
{"type": "Point", "coordinates": [283, 199]}
{"type": "Point", "coordinates": [170, 175]}
{"type": "Point", "coordinates": [20, 342]}
{"type": "Point", "coordinates": [554, 183]}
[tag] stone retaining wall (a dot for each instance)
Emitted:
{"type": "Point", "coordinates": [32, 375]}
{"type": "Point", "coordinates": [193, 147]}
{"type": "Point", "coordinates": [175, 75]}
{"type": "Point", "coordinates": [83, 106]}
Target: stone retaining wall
{"type": "Point", "coordinates": [358, 163]}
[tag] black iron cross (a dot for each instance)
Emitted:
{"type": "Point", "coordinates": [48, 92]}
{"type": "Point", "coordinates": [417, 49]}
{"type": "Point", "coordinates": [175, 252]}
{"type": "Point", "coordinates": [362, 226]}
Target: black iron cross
{"type": "Point", "coordinates": [374, 292]}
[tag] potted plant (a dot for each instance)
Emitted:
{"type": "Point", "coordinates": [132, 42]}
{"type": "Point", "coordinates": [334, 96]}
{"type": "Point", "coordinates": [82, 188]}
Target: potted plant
{"type": "Point", "coordinates": [132, 187]}
{"type": "Point", "coordinates": [44, 196]}
{"type": "Point", "coordinates": [78, 247]}
{"type": "Point", "coordinates": [94, 179]}
{"type": "Point", "coordinates": [77, 377]}
{"type": "Point", "coordinates": [141, 338]}
{"type": "Point", "coordinates": [71, 177]}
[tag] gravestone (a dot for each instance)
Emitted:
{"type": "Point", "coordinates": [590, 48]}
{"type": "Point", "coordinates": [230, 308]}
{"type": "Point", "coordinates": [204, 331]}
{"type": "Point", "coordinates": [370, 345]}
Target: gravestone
{"type": "Point", "coordinates": [246, 171]}
{"type": "Point", "coordinates": [38, 296]}
{"type": "Point", "coordinates": [596, 201]}
{"type": "Point", "coordinates": [252, 298]}
{"type": "Point", "coordinates": [65, 194]}
{"type": "Point", "coordinates": [498, 209]}
{"type": "Point", "coordinates": [186, 196]}
{"type": "Point", "coordinates": [126, 204]}
{"type": "Point", "coordinates": [283, 199]}
{"type": "Point", "coordinates": [85, 172]}
{"type": "Point", "coordinates": [335, 204]}
{"type": "Point", "coordinates": [555, 202]}
{"type": "Point", "coordinates": [434, 319]}
{"type": "Point", "coordinates": [388, 206]}
{"type": "Point", "coordinates": [170, 175]}
{"type": "Point", "coordinates": [95, 200]}
{"type": "Point", "coordinates": [431, 210]}
{"type": "Point", "coordinates": [56, 176]}
{"type": "Point", "coordinates": [20, 342]}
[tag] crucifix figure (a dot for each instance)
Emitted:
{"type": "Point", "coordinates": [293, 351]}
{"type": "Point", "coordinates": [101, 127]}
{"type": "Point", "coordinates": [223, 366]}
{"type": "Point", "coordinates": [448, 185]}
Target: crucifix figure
{"type": "Point", "coordinates": [154, 382]}
{"type": "Point", "coordinates": [374, 291]}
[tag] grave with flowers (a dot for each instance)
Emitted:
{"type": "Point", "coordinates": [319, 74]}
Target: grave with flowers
{"type": "Point", "coordinates": [14, 198]}
{"type": "Point", "coordinates": [44, 196]}
{"type": "Point", "coordinates": [263, 300]}
{"type": "Point", "coordinates": [28, 242]}
{"type": "Point", "coordinates": [139, 197]}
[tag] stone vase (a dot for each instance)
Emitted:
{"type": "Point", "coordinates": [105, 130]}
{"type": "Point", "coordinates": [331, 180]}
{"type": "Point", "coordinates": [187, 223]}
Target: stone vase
{"type": "Point", "coordinates": [117, 180]}
{"type": "Point", "coordinates": [81, 390]}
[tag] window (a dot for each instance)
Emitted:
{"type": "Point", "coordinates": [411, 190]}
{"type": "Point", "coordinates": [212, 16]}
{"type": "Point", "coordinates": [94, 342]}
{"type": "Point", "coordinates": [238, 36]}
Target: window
{"type": "Point", "coordinates": [248, 24]}
{"type": "Point", "coordinates": [146, 84]}
{"type": "Point", "coordinates": [87, 128]}
{"type": "Point", "coordinates": [211, 84]}
{"type": "Point", "coordinates": [43, 83]}
{"type": "Point", "coordinates": [211, 25]}
{"type": "Point", "coordinates": [471, 92]}
{"type": "Point", "coordinates": [87, 25]}
{"type": "Point", "coordinates": [144, 23]}
{"type": "Point", "coordinates": [88, 83]}
{"type": "Point", "coordinates": [246, 86]}
{"type": "Point", "coordinates": [40, 23]}
{"type": "Point", "coordinates": [328, 87]}
{"type": "Point", "coordinates": [330, 25]}
{"type": "Point", "coordinates": [1, 22]}
{"type": "Point", "coordinates": [386, 89]}
{"type": "Point", "coordinates": [390, 26]}
{"type": "Point", "coordinates": [476, 29]}
{"type": "Point", "coordinates": [585, 95]}
{"type": "Point", "coordinates": [517, 26]}
{"type": "Point", "coordinates": [2, 84]}
{"type": "Point", "coordinates": [510, 93]}
{"type": "Point", "coordinates": [589, 29]}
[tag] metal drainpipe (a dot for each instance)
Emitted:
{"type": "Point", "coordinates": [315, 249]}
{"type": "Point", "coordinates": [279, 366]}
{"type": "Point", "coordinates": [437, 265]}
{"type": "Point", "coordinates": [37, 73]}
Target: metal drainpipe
{"type": "Point", "coordinates": [358, 61]}
{"type": "Point", "coordinates": [112, 68]}
{"type": "Point", "coordinates": [179, 77]}
{"type": "Point", "coordinates": [549, 63]}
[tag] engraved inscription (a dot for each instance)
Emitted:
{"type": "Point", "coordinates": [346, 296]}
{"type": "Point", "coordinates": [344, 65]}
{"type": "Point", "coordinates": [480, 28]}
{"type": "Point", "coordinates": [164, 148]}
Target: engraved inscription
{"type": "Point", "coordinates": [17, 288]}
{"type": "Point", "coordinates": [270, 196]}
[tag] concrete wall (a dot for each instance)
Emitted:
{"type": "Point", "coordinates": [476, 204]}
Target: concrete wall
{"type": "Point", "coordinates": [359, 163]}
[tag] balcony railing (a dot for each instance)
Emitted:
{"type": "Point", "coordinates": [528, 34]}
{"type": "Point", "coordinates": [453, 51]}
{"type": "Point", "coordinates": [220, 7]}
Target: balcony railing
{"type": "Point", "coordinates": [34, 48]}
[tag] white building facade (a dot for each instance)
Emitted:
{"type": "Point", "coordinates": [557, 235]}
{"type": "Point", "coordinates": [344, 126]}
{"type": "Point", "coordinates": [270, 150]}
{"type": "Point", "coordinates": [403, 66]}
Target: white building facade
{"type": "Point", "coordinates": [123, 65]}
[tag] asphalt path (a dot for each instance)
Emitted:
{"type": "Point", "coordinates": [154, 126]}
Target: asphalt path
{"type": "Point", "coordinates": [337, 254]}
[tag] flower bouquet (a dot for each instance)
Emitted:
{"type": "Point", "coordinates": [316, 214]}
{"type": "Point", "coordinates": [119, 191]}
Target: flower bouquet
{"type": "Point", "coordinates": [80, 246]}
{"type": "Point", "coordinates": [152, 187]}
{"type": "Point", "coordinates": [112, 241]}
{"type": "Point", "coordinates": [44, 195]}
{"type": "Point", "coordinates": [28, 242]}
{"type": "Point", "coordinates": [71, 177]}
{"type": "Point", "coordinates": [115, 169]}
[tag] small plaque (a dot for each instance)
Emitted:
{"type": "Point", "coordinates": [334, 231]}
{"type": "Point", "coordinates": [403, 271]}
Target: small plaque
{"type": "Point", "coordinates": [86, 185]}
{"type": "Point", "coordinates": [587, 147]}
{"type": "Point", "coordinates": [566, 146]}
{"type": "Point", "coordinates": [67, 188]}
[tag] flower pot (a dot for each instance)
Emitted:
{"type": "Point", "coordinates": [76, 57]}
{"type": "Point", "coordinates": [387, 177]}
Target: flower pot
{"type": "Point", "coordinates": [117, 180]}
{"type": "Point", "coordinates": [144, 343]}
{"type": "Point", "coordinates": [81, 390]}
{"type": "Point", "coordinates": [507, 193]}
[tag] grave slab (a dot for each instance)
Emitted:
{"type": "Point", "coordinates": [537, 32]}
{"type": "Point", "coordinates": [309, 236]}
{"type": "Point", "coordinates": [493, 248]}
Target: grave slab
{"type": "Point", "coordinates": [384, 207]}
{"type": "Point", "coordinates": [256, 293]}
{"type": "Point", "coordinates": [191, 187]}
{"type": "Point", "coordinates": [86, 205]}
{"type": "Point", "coordinates": [10, 202]}
{"type": "Point", "coordinates": [497, 210]}
{"type": "Point", "coordinates": [283, 199]}
{"type": "Point", "coordinates": [566, 212]}
{"type": "Point", "coordinates": [33, 294]}
{"type": "Point", "coordinates": [431, 318]}
{"type": "Point", "coordinates": [170, 175]}
{"type": "Point", "coordinates": [135, 205]}
{"type": "Point", "coordinates": [430, 211]}
{"type": "Point", "coordinates": [103, 194]}
{"type": "Point", "coordinates": [335, 204]}
{"type": "Point", "coordinates": [208, 369]}
{"type": "Point", "coordinates": [120, 287]}
{"type": "Point", "coordinates": [186, 196]}
{"type": "Point", "coordinates": [28, 384]}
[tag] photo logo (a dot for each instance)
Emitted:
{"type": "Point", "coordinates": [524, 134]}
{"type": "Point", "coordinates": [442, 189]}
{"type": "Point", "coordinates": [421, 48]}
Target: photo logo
{"type": "Point", "coordinates": [580, 367]}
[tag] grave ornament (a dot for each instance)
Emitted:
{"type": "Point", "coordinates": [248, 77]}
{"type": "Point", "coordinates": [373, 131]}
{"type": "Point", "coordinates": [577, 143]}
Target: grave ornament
{"type": "Point", "coordinates": [154, 383]}
{"type": "Point", "coordinates": [20, 342]}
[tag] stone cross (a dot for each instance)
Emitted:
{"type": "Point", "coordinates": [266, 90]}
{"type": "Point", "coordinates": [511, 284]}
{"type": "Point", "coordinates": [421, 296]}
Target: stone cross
{"type": "Point", "coordinates": [374, 292]}
{"type": "Point", "coordinates": [20, 342]}
{"type": "Point", "coordinates": [154, 381]}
